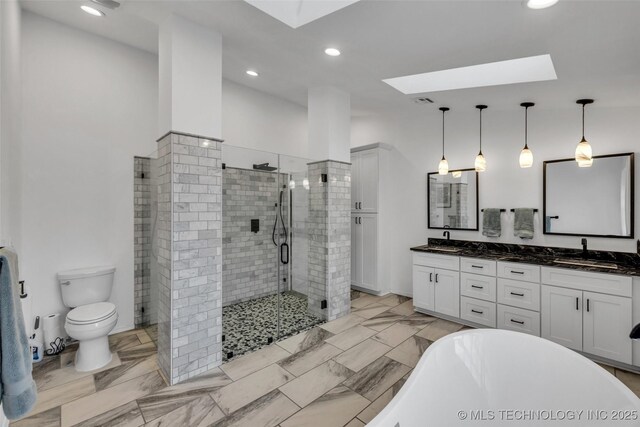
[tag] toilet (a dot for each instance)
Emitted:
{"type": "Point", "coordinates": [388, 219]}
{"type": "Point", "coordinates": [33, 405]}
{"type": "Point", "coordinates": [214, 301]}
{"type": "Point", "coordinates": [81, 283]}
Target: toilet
{"type": "Point", "coordinates": [92, 317]}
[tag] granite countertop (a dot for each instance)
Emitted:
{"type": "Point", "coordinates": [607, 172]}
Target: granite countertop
{"type": "Point", "coordinates": [627, 264]}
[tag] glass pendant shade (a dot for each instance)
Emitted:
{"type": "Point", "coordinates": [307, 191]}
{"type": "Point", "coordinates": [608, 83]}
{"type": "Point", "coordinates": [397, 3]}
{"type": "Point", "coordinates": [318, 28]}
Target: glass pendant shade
{"type": "Point", "coordinates": [480, 163]}
{"type": "Point", "coordinates": [443, 167]}
{"type": "Point", "coordinates": [526, 158]}
{"type": "Point", "coordinates": [584, 154]}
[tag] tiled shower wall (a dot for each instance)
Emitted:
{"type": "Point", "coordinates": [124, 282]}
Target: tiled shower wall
{"type": "Point", "coordinates": [300, 246]}
{"type": "Point", "coordinates": [190, 253]}
{"type": "Point", "coordinates": [141, 237]}
{"type": "Point", "coordinates": [330, 238]}
{"type": "Point", "coordinates": [249, 261]}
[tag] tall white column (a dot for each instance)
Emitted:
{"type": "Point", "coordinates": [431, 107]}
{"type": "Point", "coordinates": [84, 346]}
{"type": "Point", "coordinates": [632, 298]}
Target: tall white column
{"type": "Point", "coordinates": [329, 118]}
{"type": "Point", "coordinates": [190, 73]}
{"type": "Point", "coordinates": [189, 200]}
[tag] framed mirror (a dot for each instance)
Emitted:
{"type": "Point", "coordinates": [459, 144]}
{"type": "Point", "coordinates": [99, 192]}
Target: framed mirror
{"type": "Point", "coordinates": [594, 201]}
{"type": "Point", "coordinates": [452, 200]}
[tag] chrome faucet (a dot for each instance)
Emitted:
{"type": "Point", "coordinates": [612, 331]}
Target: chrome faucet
{"type": "Point", "coordinates": [447, 234]}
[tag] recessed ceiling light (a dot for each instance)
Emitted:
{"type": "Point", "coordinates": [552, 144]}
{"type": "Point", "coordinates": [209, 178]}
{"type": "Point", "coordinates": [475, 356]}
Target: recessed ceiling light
{"type": "Point", "coordinates": [252, 73]}
{"type": "Point", "coordinates": [92, 11]}
{"type": "Point", "coordinates": [540, 4]}
{"type": "Point", "coordinates": [332, 51]}
{"type": "Point", "coordinates": [521, 70]}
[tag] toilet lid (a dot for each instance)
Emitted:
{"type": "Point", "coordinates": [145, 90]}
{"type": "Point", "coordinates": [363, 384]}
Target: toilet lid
{"type": "Point", "coordinates": [91, 313]}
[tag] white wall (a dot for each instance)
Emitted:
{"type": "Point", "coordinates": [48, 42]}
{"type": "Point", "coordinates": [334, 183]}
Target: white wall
{"type": "Point", "coordinates": [553, 134]}
{"type": "Point", "coordinates": [10, 108]}
{"type": "Point", "coordinates": [90, 105]}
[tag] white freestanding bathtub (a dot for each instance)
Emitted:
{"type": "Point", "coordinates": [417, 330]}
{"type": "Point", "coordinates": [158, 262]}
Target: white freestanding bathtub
{"type": "Point", "coordinates": [495, 377]}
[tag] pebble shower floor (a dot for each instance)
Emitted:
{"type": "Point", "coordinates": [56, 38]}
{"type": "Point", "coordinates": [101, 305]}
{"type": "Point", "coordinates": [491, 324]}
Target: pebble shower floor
{"type": "Point", "coordinates": [249, 325]}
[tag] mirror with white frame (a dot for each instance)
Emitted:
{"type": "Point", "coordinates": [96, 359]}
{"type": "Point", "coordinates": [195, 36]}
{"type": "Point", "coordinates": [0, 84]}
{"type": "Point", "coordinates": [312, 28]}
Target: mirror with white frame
{"type": "Point", "coordinates": [590, 201]}
{"type": "Point", "coordinates": [452, 200]}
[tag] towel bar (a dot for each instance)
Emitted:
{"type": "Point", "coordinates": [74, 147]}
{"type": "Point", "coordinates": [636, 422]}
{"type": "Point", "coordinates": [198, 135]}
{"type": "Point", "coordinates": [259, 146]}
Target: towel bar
{"type": "Point", "coordinates": [513, 210]}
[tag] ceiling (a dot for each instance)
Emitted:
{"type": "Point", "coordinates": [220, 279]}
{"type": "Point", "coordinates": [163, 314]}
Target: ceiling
{"type": "Point", "coordinates": [593, 45]}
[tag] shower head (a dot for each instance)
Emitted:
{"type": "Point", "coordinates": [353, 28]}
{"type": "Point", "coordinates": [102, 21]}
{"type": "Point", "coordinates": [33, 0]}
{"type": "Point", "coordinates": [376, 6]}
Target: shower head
{"type": "Point", "coordinates": [264, 167]}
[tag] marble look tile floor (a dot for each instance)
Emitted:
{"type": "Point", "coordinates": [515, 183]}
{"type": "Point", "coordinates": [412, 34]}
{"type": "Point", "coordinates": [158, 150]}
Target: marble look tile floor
{"type": "Point", "coordinates": [341, 373]}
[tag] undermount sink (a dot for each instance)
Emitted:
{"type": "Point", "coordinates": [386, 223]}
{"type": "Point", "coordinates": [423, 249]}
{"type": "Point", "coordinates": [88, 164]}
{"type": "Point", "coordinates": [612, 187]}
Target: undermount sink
{"type": "Point", "coordinates": [586, 263]}
{"type": "Point", "coordinates": [445, 249]}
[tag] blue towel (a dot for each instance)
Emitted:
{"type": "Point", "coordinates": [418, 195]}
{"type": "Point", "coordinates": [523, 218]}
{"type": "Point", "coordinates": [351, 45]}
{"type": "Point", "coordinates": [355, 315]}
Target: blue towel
{"type": "Point", "coordinates": [17, 388]}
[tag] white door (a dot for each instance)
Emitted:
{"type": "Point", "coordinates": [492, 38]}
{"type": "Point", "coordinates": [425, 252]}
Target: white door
{"type": "Point", "coordinates": [423, 287]}
{"type": "Point", "coordinates": [368, 169]}
{"type": "Point", "coordinates": [607, 323]}
{"type": "Point", "coordinates": [356, 251]}
{"type": "Point", "coordinates": [447, 292]}
{"type": "Point", "coordinates": [368, 225]}
{"type": "Point", "coordinates": [561, 316]}
{"type": "Point", "coordinates": [355, 181]}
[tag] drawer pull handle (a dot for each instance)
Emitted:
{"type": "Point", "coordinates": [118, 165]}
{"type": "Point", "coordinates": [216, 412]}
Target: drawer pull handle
{"type": "Point", "coordinates": [436, 277]}
{"type": "Point", "coordinates": [430, 277]}
{"type": "Point", "coordinates": [587, 305]}
{"type": "Point", "coordinates": [477, 266]}
{"type": "Point", "coordinates": [516, 294]}
{"type": "Point", "coordinates": [517, 272]}
{"type": "Point", "coordinates": [519, 322]}
{"type": "Point", "coordinates": [477, 287]}
{"type": "Point", "coordinates": [476, 311]}
{"type": "Point", "coordinates": [577, 303]}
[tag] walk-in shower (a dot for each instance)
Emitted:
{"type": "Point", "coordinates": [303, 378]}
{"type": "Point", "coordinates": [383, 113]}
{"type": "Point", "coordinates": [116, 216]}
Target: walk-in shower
{"type": "Point", "coordinates": [265, 248]}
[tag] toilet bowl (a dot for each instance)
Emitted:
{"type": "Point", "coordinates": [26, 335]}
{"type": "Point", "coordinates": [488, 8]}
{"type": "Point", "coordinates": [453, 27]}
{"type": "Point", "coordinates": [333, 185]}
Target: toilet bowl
{"type": "Point", "coordinates": [90, 324]}
{"type": "Point", "coordinates": [92, 318]}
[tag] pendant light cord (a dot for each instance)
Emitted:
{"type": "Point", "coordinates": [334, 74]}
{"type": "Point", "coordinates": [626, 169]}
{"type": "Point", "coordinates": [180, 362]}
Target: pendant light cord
{"type": "Point", "coordinates": [480, 131]}
{"type": "Point", "coordinates": [443, 133]}
{"type": "Point", "coordinates": [526, 126]}
{"type": "Point", "coordinates": [583, 121]}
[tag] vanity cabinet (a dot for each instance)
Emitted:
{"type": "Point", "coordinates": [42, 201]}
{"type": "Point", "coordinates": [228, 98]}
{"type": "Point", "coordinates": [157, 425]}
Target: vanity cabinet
{"type": "Point", "coordinates": [594, 323]}
{"type": "Point", "coordinates": [585, 311]}
{"type": "Point", "coordinates": [436, 289]}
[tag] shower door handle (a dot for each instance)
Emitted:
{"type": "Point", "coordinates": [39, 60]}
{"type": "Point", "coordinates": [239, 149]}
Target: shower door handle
{"type": "Point", "coordinates": [284, 253]}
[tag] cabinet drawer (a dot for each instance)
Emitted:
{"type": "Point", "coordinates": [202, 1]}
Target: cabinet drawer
{"type": "Point", "coordinates": [478, 266]}
{"type": "Point", "coordinates": [475, 310]}
{"type": "Point", "coordinates": [586, 281]}
{"type": "Point", "coordinates": [517, 271]}
{"type": "Point", "coordinates": [518, 319]}
{"type": "Point", "coordinates": [476, 286]}
{"type": "Point", "coordinates": [446, 262]}
{"type": "Point", "coordinates": [519, 294]}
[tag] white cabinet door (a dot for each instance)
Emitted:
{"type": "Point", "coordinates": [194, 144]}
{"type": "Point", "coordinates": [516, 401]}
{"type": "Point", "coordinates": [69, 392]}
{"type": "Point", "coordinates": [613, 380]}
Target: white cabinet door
{"type": "Point", "coordinates": [607, 323]}
{"type": "Point", "coordinates": [447, 292]}
{"type": "Point", "coordinates": [355, 181]}
{"type": "Point", "coordinates": [561, 315]}
{"type": "Point", "coordinates": [368, 226]}
{"type": "Point", "coordinates": [368, 181]}
{"type": "Point", "coordinates": [356, 251]}
{"type": "Point", "coordinates": [423, 287]}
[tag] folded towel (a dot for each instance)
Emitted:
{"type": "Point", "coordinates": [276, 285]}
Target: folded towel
{"type": "Point", "coordinates": [17, 388]}
{"type": "Point", "coordinates": [523, 223]}
{"type": "Point", "coordinates": [491, 226]}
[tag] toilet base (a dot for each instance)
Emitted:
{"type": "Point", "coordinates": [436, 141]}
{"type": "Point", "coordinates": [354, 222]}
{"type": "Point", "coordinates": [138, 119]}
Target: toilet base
{"type": "Point", "coordinates": [93, 354]}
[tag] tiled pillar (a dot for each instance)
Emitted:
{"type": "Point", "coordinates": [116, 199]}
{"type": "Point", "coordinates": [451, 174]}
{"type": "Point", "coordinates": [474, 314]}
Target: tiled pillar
{"type": "Point", "coordinates": [190, 241]}
{"type": "Point", "coordinates": [329, 238]}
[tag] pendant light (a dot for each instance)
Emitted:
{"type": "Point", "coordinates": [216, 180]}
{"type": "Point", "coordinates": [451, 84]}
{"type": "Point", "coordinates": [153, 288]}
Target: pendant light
{"type": "Point", "coordinates": [584, 155]}
{"type": "Point", "coordinates": [443, 166]}
{"type": "Point", "coordinates": [526, 156]}
{"type": "Point", "coordinates": [481, 162]}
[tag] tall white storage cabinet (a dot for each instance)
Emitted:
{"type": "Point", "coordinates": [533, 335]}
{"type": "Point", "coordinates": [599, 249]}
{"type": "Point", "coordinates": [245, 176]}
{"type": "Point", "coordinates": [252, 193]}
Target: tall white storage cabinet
{"type": "Point", "coordinates": [368, 168]}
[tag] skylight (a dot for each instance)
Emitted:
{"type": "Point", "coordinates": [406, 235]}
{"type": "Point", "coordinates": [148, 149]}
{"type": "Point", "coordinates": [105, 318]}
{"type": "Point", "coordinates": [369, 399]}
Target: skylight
{"type": "Point", "coordinates": [296, 13]}
{"type": "Point", "coordinates": [522, 70]}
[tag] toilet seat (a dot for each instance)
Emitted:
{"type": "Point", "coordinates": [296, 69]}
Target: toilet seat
{"type": "Point", "coordinates": [91, 313]}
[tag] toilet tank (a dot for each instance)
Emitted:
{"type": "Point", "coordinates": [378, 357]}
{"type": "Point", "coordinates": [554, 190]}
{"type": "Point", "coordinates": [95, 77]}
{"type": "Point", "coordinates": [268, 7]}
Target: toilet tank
{"type": "Point", "coordinates": [86, 285]}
